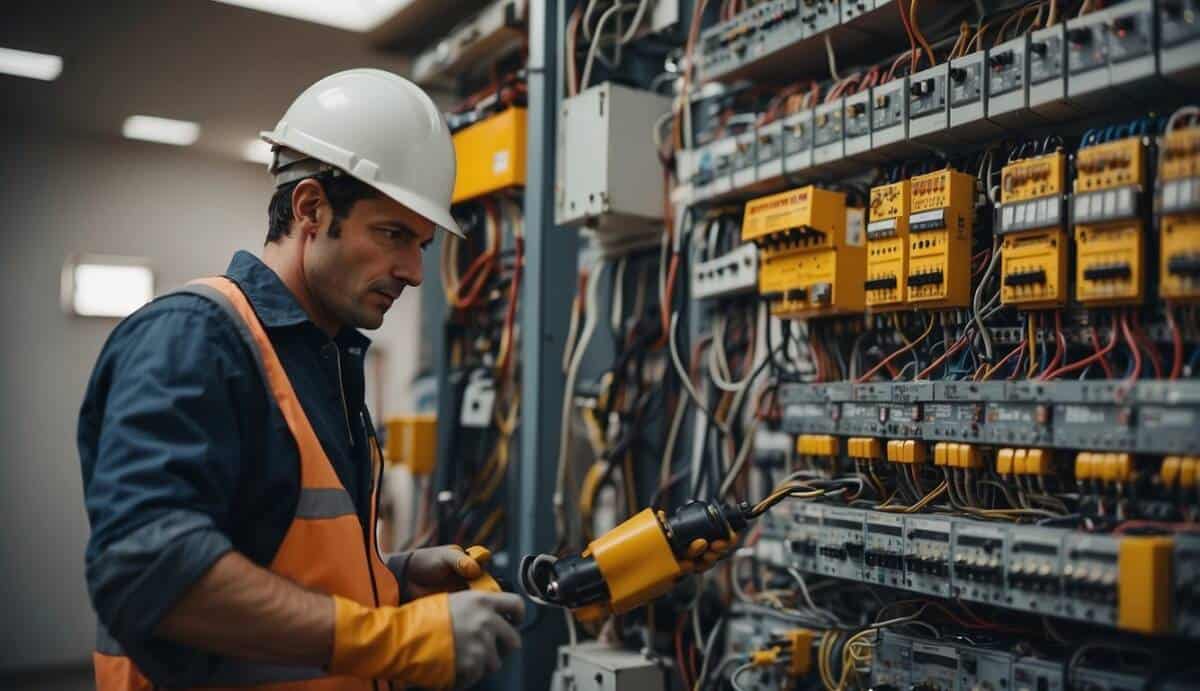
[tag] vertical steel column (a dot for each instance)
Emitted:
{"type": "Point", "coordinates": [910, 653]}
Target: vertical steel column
{"type": "Point", "coordinates": [550, 271]}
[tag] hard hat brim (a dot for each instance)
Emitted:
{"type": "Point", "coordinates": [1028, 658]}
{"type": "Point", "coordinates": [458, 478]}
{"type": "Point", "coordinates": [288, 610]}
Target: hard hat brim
{"type": "Point", "coordinates": [430, 211]}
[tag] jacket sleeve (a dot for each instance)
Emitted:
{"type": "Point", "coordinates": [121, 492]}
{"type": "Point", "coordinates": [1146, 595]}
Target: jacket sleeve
{"type": "Point", "coordinates": [163, 466]}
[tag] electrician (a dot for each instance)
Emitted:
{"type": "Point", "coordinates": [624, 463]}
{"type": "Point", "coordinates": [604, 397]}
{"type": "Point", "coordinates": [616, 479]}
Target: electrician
{"type": "Point", "coordinates": [230, 469]}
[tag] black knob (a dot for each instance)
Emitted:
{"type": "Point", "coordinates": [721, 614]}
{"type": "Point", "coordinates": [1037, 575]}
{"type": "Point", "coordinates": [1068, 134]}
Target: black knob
{"type": "Point", "coordinates": [1039, 47]}
{"type": "Point", "coordinates": [958, 75]}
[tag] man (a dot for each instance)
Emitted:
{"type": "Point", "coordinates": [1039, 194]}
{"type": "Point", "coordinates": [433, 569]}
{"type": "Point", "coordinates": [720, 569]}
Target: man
{"type": "Point", "coordinates": [230, 466]}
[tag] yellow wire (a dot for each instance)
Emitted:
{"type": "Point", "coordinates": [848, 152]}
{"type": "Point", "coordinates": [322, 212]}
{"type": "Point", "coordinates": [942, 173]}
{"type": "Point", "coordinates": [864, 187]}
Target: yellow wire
{"type": "Point", "coordinates": [1032, 348]}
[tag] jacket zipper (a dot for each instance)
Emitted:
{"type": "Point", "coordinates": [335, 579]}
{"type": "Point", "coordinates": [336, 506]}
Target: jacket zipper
{"type": "Point", "coordinates": [342, 392]}
{"type": "Point", "coordinates": [368, 530]}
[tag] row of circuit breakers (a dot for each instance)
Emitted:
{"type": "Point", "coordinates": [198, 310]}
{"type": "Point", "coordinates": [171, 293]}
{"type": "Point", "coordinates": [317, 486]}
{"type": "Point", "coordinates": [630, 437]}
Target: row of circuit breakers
{"type": "Point", "coordinates": [904, 661]}
{"type": "Point", "coordinates": [1071, 69]}
{"type": "Point", "coordinates": [816, 256]}
{"type": "Point", "coordinates": [1135, 583]}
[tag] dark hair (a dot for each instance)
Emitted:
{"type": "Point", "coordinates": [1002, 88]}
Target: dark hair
{"type": "Point", "coordinates": [342, 191]}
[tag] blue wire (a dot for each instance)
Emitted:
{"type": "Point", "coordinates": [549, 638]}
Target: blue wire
{"type": "Point", "coordinates": [1087, 138]}
{"type": "Point", "coordinates": [1194, 360]}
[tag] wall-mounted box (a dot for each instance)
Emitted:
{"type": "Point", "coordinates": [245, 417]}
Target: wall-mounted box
{"type": "Point", "coordinates": [610, 176]}
{"type": "Point", "coordinates": [490, 155]}
{"type": "Point", "coordinates": [770, 150]}
{"type": "Point", "coordinates": [745, 159]}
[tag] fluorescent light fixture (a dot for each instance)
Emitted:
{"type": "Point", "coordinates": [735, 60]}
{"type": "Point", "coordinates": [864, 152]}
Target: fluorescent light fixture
{"type": "Point", "coordinates": [161, 130]}
{"type": "Point", "coordinates": [257, 151]}
{"type": "Point", "coordinates": [352, 15]}
{"type": "Point", "coordinates": [23, 63]}
{"type": "Point", "coordinates": [105, 286]}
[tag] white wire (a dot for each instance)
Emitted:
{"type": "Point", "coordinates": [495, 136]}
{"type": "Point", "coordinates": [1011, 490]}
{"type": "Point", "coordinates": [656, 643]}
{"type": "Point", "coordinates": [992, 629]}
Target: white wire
{"type": "Point", "coordinates": [983, 332]}
{"type": "Point", "coordinates": [1182, 112]}
{"type": "Point", "coordinates": [589, 327]}
{"type": "Point", "coordinates": [683, 375]}
{"type": "Point", "coordinates": [799, 578]}
{"type": "Point", "coordinates": [832, 58]}
{"type": "Point", "coordinates": [733, 678]}
{"type": "Point", "coordinates": [618, 296]}
{"type": "Point", "coordinates": [594, 48]}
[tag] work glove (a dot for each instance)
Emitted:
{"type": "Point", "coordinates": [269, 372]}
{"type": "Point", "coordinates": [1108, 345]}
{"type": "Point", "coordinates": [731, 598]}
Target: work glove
{"type": "Point", "coordinates": [481, 633]}
{"type": "Point", "coordinates": [431, 570]}
{"type": "Point", "coordinates": [414, 644]}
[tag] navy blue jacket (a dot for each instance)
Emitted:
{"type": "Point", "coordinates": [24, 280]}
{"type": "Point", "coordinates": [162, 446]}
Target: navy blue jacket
{"type": "Point", "coordinates": [185, 456]}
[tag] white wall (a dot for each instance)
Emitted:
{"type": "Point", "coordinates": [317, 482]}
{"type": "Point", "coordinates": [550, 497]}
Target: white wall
{"type": "Point", "coordinates": [60, 195]}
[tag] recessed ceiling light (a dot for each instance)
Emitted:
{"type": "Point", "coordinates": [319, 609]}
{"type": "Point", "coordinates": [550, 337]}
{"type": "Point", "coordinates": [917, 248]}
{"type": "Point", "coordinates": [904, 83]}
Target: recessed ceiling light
{"type": "Point", "coordinates": [104, 286]}
{"type": "Point", "coordinates": [162, 130]}
{"type": "Point", "coordinates": [257, 151]}
{"type": "Point", "coordinates": [352, 15]}
{"type": "Point", "coordinates": [23, 63]}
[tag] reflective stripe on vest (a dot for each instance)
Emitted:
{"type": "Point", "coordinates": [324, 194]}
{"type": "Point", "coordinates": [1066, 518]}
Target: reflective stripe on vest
{"type": "Point", "coordinates": [325, 548]}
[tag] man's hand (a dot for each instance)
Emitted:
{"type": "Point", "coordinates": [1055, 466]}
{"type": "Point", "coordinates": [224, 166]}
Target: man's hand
{"type": "Point", "coordinates": [482, 633]}
{"type": "Point", "coordinates": [440, 569]}
{"type": "Point", "coordinates": [702, 555]}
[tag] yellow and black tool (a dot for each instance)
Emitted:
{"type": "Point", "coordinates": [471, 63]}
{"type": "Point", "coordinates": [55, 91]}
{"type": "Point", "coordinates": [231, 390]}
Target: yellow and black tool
{"type": "Point", "coordinates": [631, 564]}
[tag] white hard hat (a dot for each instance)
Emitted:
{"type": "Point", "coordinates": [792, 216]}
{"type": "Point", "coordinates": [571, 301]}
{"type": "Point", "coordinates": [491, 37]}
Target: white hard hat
{"type": "Point", "coordinates": [377, 127]}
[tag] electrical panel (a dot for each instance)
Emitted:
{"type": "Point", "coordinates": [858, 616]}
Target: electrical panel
{"type": "Point", "coordinates": [921, 324]}
{"type": "Point", "coordinates": [1032, 224]}
{"type": "Point", "coordinates": [609, 177]}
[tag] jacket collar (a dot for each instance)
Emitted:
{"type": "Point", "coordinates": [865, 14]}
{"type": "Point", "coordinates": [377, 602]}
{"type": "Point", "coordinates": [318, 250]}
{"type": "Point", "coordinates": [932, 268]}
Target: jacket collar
{"type": "Point", "coordinates": [273, 301]}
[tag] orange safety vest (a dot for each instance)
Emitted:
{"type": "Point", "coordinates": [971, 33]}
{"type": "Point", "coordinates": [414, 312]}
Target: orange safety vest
{"type": "Point", "coordinates": [325, 547]}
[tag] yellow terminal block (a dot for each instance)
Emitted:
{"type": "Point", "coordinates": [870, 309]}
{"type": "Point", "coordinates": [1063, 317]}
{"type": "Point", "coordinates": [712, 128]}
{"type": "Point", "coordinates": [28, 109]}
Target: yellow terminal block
{"type": "Point", "coordinates": [895, 451]}
{"type": "Point", "coordinates": [864, 447]}
{"type": "Point", "coordinates": [1109, 231]}
{"type": "Point", "coordinates": [412, 442]}
{"type": "Point", "coordinates": [1019, 458]}
{"type": "Point", "coordinates": [1037, 462]}
{"type": "Point", "coordinates": [941, 454]}
{"type": "Point", "coordinates": [1033, 263]}
{"type": "Point", "coordinates": [812, 252]}
{"type": "Point", "coordinates": [800, 643]}
{"type": "Point", "coordinates": [1144, 584]}
{"type": "Point", "coordinates": [1178, 203]}
{"type": "Point", "coordinates": [887, 246]}
{"type": "Point", "coordinates": [1168, 474]}
{"type": "Point", "coordinates": [1004, 461]}
{"type": "Point", "coordinates": [490, 155]}
{"type": "Point", "coordinates": [817, 445]}
{"type": "Point", "coordinates": [941, 224]}
{"type": "Point", "coordinates": [912, 451]}
{"type": "Point", "coordinates": [1187, 471]}
{"type": "Point", "coordinates": [969, 457]}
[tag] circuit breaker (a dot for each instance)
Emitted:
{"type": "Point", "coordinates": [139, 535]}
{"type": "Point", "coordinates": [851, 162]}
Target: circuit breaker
{"type": "Point", "coordinates": [1032, 223]}
{"type": "Point", "coordinates": [887, 246]}
{"type": "Point", "coordinates": [1107, 210]}
{"type": "Point", "coordinates": [812, 252]}
{"type": "Point", "coordinates": [1179, 220]}
{"type": "Point", "coordinates": [941, 226]}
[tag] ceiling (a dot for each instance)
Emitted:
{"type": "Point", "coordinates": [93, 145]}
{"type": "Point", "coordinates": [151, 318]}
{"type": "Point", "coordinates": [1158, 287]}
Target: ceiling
{"type": "Point", "coordinates": [232, 70]}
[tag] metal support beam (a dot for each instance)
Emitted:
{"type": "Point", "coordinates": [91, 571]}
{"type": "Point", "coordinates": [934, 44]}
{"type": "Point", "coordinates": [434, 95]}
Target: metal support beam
{"type": "Point", "coordinates": [550, 271]}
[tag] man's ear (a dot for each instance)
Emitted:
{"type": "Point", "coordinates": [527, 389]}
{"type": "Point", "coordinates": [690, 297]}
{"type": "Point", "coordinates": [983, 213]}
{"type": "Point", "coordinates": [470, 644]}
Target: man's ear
{"type": "Point", "coordinates": [307, 199]}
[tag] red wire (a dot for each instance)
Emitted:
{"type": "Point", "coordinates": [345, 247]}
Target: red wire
{"type": "Point", "coordinates": [1176, 344]}
{"type": "Point", "coordinates": [957, 346]}
{"type": "Point", "coordinates": [1149, 345]}
{"type": "Point", "coordinates": [999, 365]}
{"type": "Point", "coordinates": [1137, 354]}
{"type": "Point", "coordinates": [1108, 372]}
{"type": "Point", "coordinates": [1098, 355]}
{"type": "Point", "coordinates": [1060, 345]}
{"type": "Point", "coordinates": [679, 660]}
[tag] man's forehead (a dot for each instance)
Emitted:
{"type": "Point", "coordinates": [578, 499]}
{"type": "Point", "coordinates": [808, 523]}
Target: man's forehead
{"type": "Point", "coordinates": [385, 210]}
